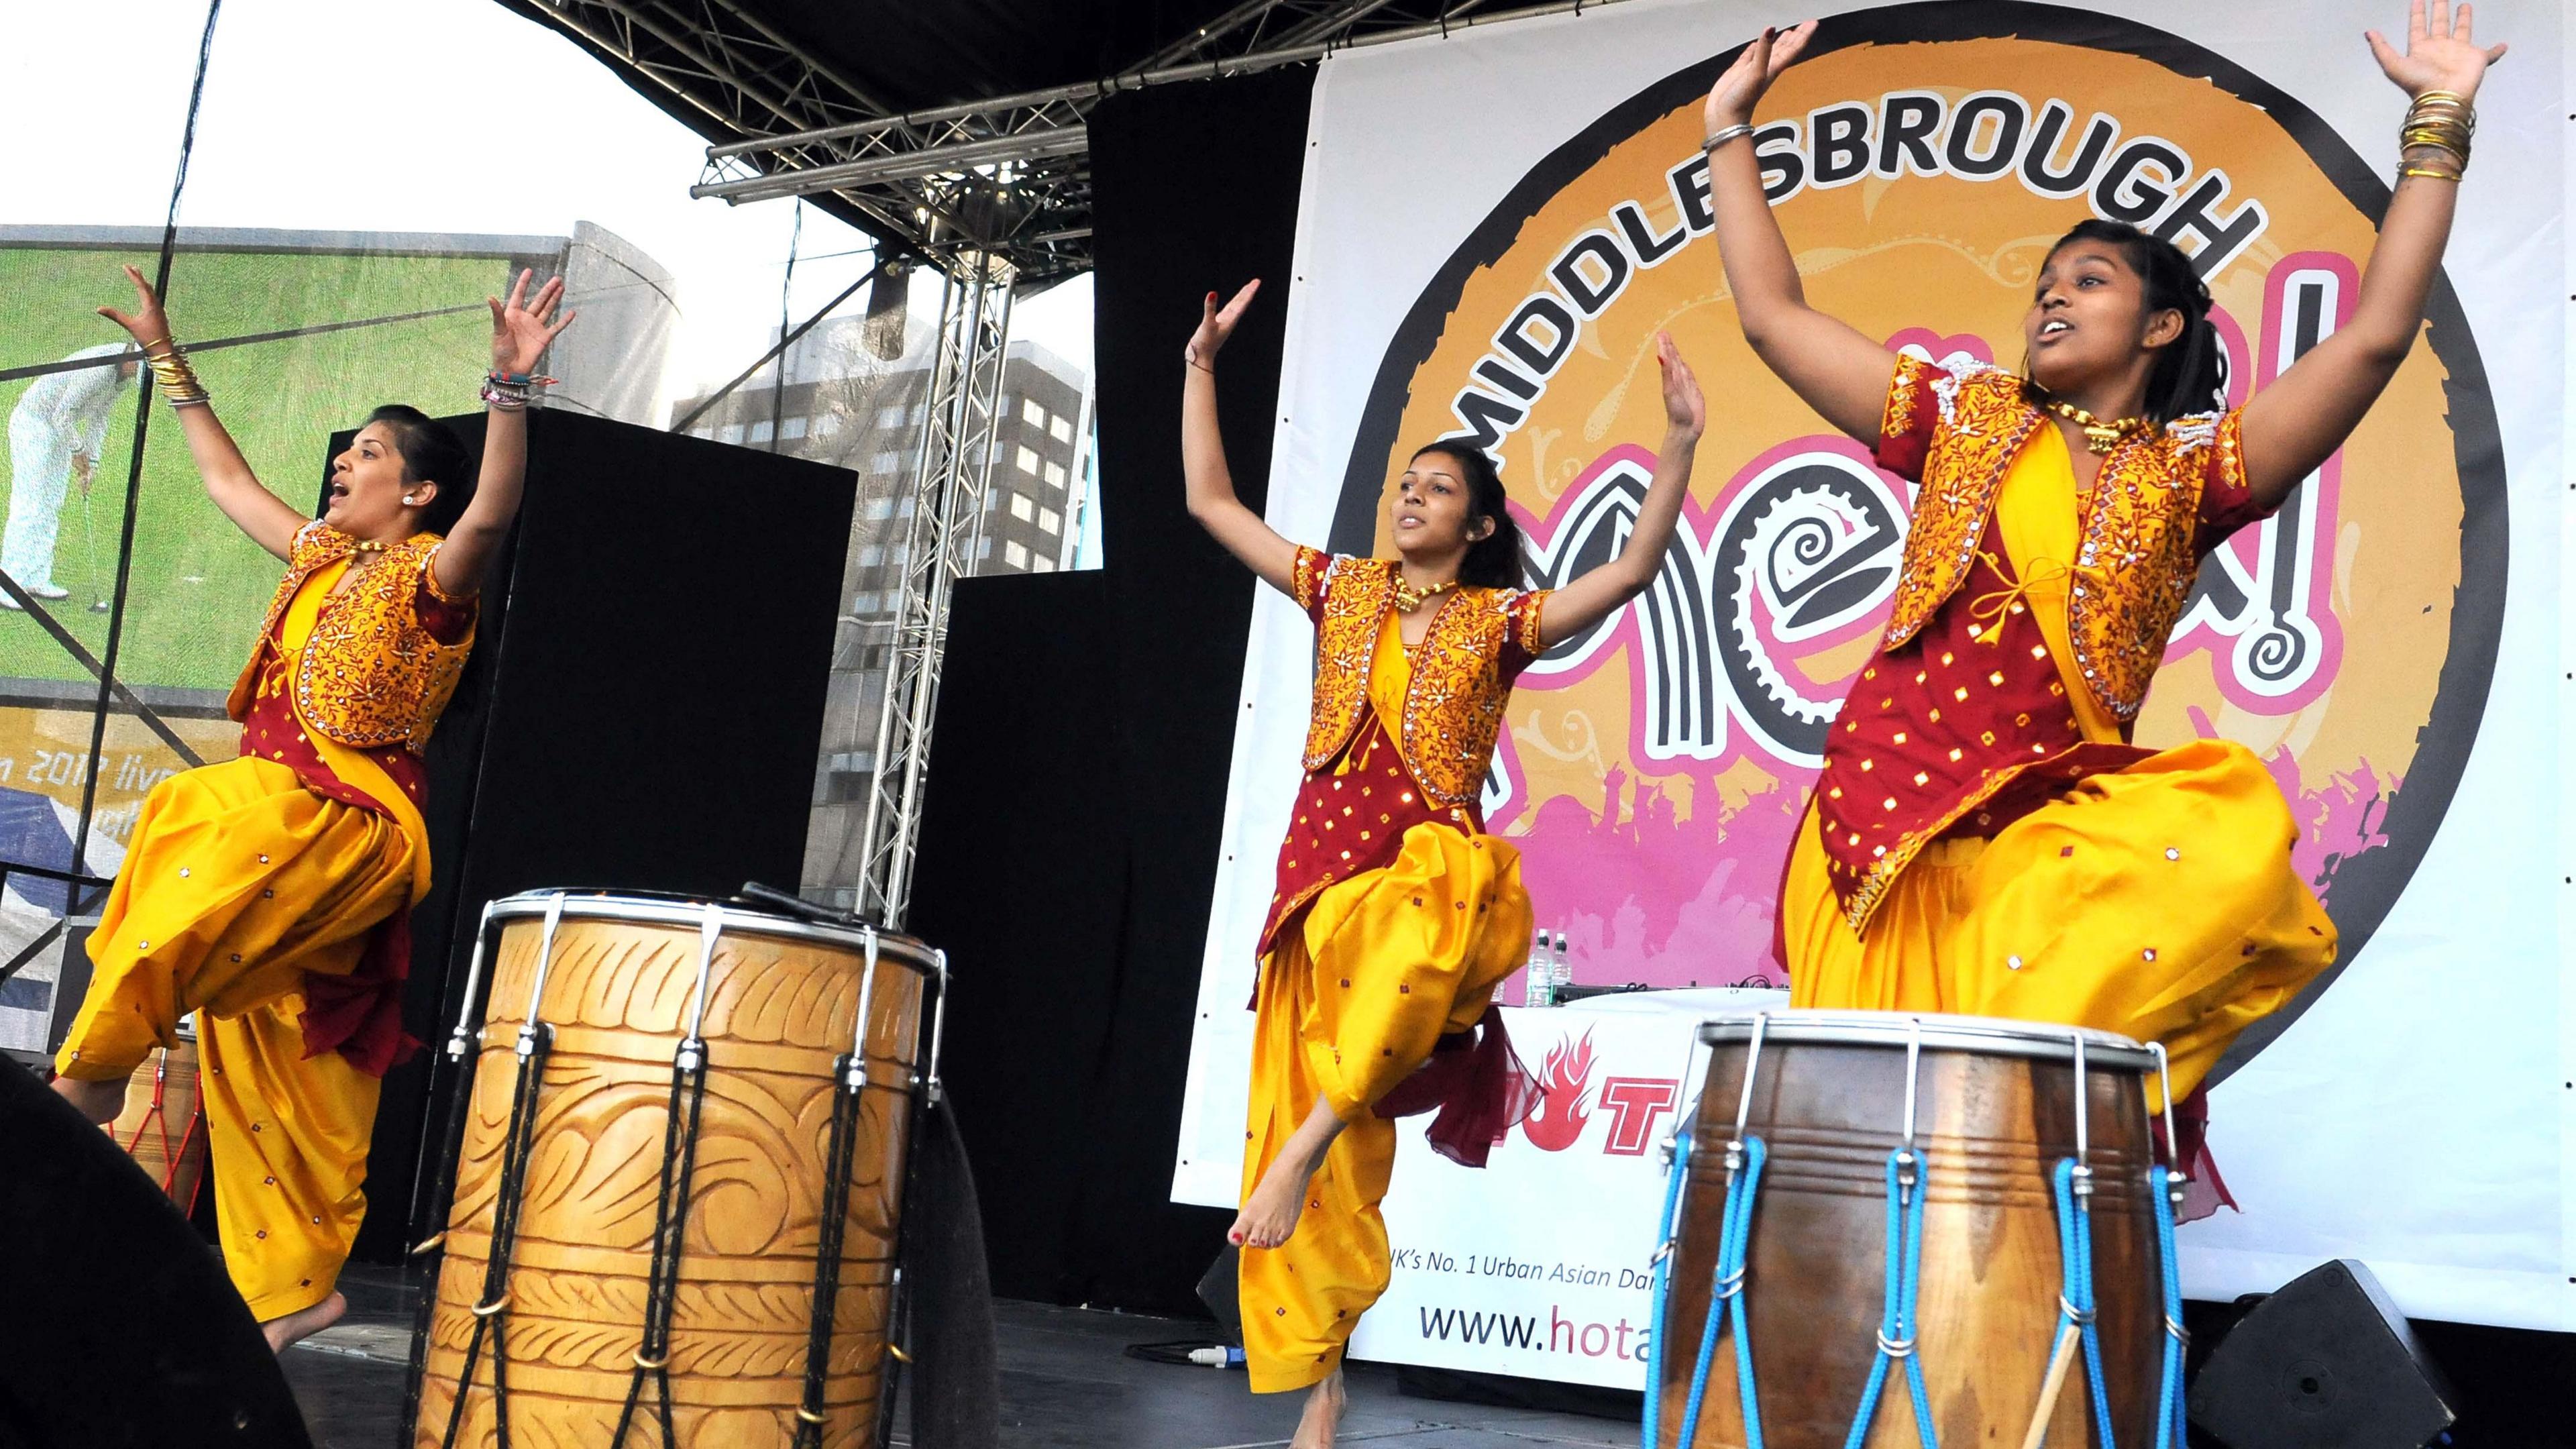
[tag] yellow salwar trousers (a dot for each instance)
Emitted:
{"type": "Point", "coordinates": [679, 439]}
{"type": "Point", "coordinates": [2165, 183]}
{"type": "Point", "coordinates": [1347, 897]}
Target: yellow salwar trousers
{"type": "Point", "coordinates": [1349, 1003]}
{"type": "Point", "coordinates": [2157, 901]}
{"type": "Point", "coordinates": [238, 882]}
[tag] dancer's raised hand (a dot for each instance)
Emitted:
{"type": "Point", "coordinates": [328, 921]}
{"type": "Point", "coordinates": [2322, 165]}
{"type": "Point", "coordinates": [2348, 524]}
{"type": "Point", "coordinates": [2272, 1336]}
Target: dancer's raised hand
{"type": "Point", "coordinates": [1685, 411]}
{"type": "Point", "coordinates": [1216, 324]}
{"type": "Point", "coordinates": [1732, 99]}
{"type": "Point", "coordinates": [522, 329]}
{"type": "Point", "coordinates": [147, 324]}
{"type": "Point", "coordinates": [2439, 56]}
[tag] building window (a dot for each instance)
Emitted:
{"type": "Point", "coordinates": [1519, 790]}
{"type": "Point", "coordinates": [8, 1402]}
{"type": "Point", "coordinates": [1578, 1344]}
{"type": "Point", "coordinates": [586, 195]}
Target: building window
{"type": "Point", "coordinates": [986, 550]}
{"type": "Point", "coordinates": [792, 429]}
{"type": "Point", "coordinates": [760, 431]}
{"type": "Point", "coordinates": [864, 604]}
{"type": "Point", "coordinates": [888, 461]}
{"type": "Point", "coordinates": [1061, 430]}
{"type": "Point", "coordinates": [871, 556]}
{"type": "Point", "coordinates": [890, 417]}
{"type": "Point", "coordinates": [826, 425]}
{"type": "Point", "coordinates": [1014, 555]}
{"type": "Point", "coordinates": [1050, 520]}
{"type": "Point", "coordinates": [1045, 565]}
{"type": "Point", "coordinates": [992, 498]}
{"type": "Point", "coordinates": [920, 410]}
{"type": "Point", "coordinates": [1031, 413]}
{"type": "Point", "coordinates": [880, 509]}
{"type": "Point", "coordinates": [1021, 508]}
{"type": "Point", "coordinates": [904, 510]}
{"type": "Point", "coordinates": [1028, 461]}
{"type": "Point", "coordinates": [702, 432]}
{"type": "Point", "coordinates": [729, 433]}
{"type": "Point", "coordinates": [1055, 475]}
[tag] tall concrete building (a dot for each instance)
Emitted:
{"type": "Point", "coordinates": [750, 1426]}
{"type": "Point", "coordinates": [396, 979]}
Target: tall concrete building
{"type": "Point", "coordinates": [839, 403]}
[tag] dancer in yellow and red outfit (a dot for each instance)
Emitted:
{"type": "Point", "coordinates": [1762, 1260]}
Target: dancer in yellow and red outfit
{"type": "Point", "coordinates": [272, 893]}
{"type": "Point", "coordinates": [1396, 914]}
{"type": "Point", "coordinates": [1984, 838]}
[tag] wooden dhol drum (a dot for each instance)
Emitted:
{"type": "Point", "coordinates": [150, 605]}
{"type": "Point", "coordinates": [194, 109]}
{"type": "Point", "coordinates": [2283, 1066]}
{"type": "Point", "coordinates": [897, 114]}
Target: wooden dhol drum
{"type": "Point", "coordinates": [163, 1126]}
{"type": "Point", "coordinates": [675, 1203]}
{"type": "Point", "coordinates": [1893, 1209]}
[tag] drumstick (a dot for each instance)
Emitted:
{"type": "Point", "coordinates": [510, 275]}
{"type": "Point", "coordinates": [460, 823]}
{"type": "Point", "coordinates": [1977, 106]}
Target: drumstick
{"type": "Point", "coordinates": [2059, 1358]}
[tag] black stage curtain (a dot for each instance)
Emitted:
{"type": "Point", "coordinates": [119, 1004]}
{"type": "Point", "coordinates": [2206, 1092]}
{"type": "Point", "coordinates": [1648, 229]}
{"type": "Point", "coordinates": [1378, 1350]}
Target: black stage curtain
{"type": "Point", "coordinates": [1078, 769]}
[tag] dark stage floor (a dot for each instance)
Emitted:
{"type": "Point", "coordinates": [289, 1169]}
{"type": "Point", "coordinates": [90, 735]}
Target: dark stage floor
{"type": "Point", "coordinates": [1066, 1384]}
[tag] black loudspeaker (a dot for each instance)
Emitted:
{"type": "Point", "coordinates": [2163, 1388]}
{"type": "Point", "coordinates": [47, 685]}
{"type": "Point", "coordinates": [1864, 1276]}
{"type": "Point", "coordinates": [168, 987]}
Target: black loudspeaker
{"type": "Point", "coordinates": [2326, 1363]}
{"type": "Point", "coordinates": [117, 1325]}
{"type": "Point", "coordinates": [642, 711]}
{"type": "Point", "coordinates": [1220, 1288]}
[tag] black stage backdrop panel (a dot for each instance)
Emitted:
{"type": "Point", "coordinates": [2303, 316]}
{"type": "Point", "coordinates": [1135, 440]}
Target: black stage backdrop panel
{"type": "Point", "coordinates": [1069, 1041]}
{"type": "Point", "coordinates": [642, 710]}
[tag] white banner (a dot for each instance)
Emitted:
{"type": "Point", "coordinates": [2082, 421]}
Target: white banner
{"type": "Point", "coordinates": [1493, 228]}
{"type": "Point", "coordinates": [1541, 1262]}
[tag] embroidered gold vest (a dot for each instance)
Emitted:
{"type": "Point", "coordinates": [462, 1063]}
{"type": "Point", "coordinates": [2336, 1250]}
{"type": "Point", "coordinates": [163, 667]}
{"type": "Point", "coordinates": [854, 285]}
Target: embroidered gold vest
{"type": "Point", "coordinates": [2137, 561]}
{"type": "Point", "coordinates": [1453, 712]}
{"type": "Point", "coordinates": [371, 674]}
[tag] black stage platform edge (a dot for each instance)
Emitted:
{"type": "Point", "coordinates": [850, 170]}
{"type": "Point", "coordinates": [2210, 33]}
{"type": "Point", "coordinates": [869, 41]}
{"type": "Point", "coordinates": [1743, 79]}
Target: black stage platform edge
{"type": "Point", "coordinates": [1086, 724]}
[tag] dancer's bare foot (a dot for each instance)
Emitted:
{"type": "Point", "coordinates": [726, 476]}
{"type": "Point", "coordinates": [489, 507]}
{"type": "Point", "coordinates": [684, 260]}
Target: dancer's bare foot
{"type": "Point", "coordinates": [303, 1322]}
{"type": "Point", "coordinates": [1323, 1416]}
{"type": "Point", "coordinates": [100, 1102]}
{"type": "Point", "coordinates": [1269, 1215]}
{"type": "Point", "coordinates": [1270, 1212]}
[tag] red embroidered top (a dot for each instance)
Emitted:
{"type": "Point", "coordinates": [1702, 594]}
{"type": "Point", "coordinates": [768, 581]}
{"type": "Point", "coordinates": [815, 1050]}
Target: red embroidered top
{"type": "Point", "coordinates": [1966, 726]}
{"type": "Point", "coordinates": [358, 1015]}
{"type": "Point", "coordinates": [1358, 800]}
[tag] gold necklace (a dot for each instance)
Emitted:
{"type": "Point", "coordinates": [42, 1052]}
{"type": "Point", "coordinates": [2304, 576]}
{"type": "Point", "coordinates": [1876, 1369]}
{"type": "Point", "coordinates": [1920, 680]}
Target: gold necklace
{"type": "Point", "coordinates": [1408, 599]}
{"type": "Point", "coordinates": [2099, 436]}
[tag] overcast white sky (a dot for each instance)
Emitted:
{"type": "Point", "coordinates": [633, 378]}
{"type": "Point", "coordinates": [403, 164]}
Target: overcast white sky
{"type": "Point", "coordinates": [430, 115]}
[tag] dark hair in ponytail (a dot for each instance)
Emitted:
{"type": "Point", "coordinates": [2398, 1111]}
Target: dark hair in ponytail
{"type": "Point", "coordinates": [431, 453]}
{"type": "Point", "coordinates": [1494, 561]}
{"type": "Point", "coordinates": [2190, 375]}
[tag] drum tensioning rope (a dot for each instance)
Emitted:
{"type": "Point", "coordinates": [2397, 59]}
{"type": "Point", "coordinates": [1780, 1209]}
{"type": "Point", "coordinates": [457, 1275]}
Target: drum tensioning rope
{"type": "Point", "coordinates": [2073, 1183]}
{"type": "Point", "coordinates": [850, 1073]}
{"type": "Point", "coordinates": [671, 1206]}
{"type": "Point", "coordinates": [2166, 1184]}
{"type": "Point", "coordinates": [460, 1043]}
{"type": "Point", "coordinates": [1677, 1155]}
{"type": "Point", "coordinates": [1744, 1158]}
{"type": "Point", "coordinates": [491, 1312]}
{"type": "Point", "coordinates": [1908, 1184]}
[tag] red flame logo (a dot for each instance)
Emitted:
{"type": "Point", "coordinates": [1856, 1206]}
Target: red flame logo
{"type": "Point", "coordinates": [1562, 1113]}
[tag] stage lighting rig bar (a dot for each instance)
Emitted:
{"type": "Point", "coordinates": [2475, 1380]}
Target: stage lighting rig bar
{"type": "Point", "coordinates": [1009, 175]}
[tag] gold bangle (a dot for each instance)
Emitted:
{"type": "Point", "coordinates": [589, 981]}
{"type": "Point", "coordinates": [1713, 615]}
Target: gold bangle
{"type": "Point", "coordinates": [2429, 174]}
{"type": "Point", "coordinates": [179, 384]}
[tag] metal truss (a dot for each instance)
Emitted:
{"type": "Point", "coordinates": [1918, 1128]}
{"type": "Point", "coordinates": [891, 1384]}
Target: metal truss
{"type": "Point", "coordinates": [951, 472]}
{"type": "Point", "coordinates": [1012, 174]}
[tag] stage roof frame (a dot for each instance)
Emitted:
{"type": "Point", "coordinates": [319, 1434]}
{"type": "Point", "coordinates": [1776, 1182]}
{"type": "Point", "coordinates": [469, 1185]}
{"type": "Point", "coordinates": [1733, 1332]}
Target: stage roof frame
{"type": "Point", "coordinates": [942, 127]}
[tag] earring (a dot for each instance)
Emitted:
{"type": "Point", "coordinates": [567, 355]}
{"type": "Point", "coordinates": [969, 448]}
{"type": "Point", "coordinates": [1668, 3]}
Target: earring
{"type": "Point", "coordinates": [406, 500]}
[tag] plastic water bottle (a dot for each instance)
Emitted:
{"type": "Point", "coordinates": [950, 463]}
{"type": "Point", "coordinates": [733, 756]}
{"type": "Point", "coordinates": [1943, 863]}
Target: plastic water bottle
{"type": "Point", "coordinates": [1539, 987]}
{"type": "Point", "coordinates": [1560, 971]}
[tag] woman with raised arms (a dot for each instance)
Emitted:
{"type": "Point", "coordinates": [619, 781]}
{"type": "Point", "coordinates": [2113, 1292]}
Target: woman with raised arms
{"type": "Point", "coordinates": [1984, 837]}
{"type": "Point", "coordinates": [271, 894]}
{"type": "Point", "coordinates": [1395, 914]}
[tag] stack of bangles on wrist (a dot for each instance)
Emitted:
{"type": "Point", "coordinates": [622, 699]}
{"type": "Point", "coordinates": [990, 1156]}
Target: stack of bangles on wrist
{"type": "Point", "coordinates": [179, 384]}
{"type": "Point", "coordinates": [2434, 142]}
{"type": "Point", "coordinates": [511, 391]}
